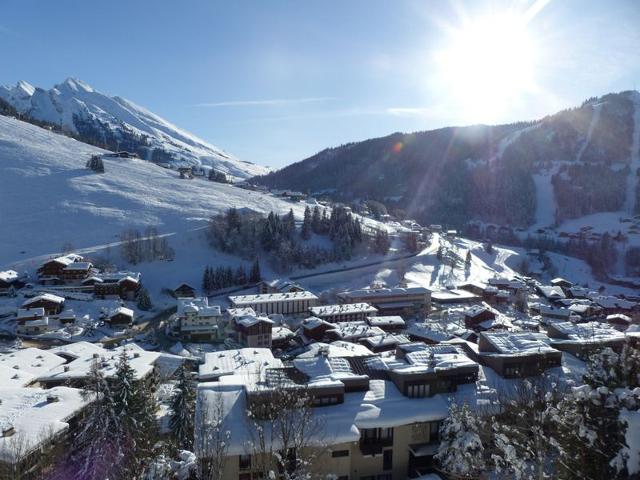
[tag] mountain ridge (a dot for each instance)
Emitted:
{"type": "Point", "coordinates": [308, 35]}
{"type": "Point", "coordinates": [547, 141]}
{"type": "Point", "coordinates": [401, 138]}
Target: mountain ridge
{"type": "Point", "coordinates": [583, 158]}
{"type": "Point", "coordinates": [116, 123]}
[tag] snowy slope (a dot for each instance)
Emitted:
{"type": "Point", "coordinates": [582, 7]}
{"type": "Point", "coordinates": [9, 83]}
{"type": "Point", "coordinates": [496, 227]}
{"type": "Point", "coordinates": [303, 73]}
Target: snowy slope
{"type": "Point", "coordinates": [48, 197]}
{"type": "Point", "coordinates": [78, 108]}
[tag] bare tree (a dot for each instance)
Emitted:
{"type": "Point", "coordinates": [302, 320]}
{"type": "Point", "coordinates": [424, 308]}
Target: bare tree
{"type": "Point", "coordinates": [287, 438]}
{"type": "Point", "coordinates": [212, 439]}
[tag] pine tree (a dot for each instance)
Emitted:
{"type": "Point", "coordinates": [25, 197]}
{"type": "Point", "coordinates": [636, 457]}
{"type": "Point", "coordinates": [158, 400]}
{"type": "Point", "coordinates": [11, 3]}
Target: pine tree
{"type": "Point", "coordinates": [183, 408]}
{"type": "Point", "coordinates": [289, 224]}
{"type": "Point", "coordinates": [144, 300]}
{"type": "Point", "coordinates": [206, 280]}
{"type": "Point", "coordinates": [100, 448]}
{"type": "Point", "coordinates": [467, 260]}
{"type": "Point", "coordinates": [255, 275]}
{"type": "Point", "coordinates": [305, 232]}
{"type": "Point", "coordinates": [461, 450]}
{"type": "Point", "coordinates": [316, 220]}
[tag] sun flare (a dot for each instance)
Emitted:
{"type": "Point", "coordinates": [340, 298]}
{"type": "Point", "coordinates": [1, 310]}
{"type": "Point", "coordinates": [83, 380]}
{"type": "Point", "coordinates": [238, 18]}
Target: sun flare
{"type": "Point", "coordinates": [487, 64]}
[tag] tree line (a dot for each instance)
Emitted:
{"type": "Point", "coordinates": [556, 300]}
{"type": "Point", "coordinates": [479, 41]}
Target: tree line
{"type": "Point", "coordinates": [147, 246]}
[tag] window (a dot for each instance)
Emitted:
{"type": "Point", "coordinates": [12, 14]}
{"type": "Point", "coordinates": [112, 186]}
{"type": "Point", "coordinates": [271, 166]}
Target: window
{"type": "Point", "coordinates": [244, 462]}
{"type": "Point", "coordinates": [434, 431]}
{"type": "Point", "coordinates": [340, 453]}
{"type": "Point", "coordinates": [418, 391]}
{"type": "Point", "coordinates": [387, 460]}
{"type": "Point", "coordinates": [374, 435]}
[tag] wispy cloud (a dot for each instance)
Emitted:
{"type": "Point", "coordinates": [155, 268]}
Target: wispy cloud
{"type": "Point", "coordinates": [409, 111]}
{"type": "Point", "coordinates": [264, 103]}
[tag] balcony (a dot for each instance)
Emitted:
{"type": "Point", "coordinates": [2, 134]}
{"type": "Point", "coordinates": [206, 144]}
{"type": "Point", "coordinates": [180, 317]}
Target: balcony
{"type": "Point", "coordinates": [374, 446]}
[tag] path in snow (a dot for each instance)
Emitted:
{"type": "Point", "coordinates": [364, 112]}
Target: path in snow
{"type": "Point", "coordinates": [632, 179]}
{"type": "Point", "coordinates": [545, 199]}
{"type": "Point", "coordinates": [594, 121]}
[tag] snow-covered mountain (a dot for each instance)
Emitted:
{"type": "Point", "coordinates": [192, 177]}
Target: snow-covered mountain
{"type": "Point", "coordinates": [48, 197]}
{"type": "Point", "coordinates": [119, 124]}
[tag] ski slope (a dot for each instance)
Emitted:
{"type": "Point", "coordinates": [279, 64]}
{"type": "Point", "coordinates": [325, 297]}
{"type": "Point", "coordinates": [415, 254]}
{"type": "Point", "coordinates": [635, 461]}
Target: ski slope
{"type": "Point", "coordinates": [48, 197]}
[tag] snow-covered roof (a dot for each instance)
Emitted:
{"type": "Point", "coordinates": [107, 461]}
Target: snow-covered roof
{"type": "Point", "coordinates": [20, 368]}
{"type": "Point", "coordinates": [49, 297]}
{"type": "Point", "coordinates": [342, 309]}
{"type": "Point", "coordinates": [619, 317]}
{"type": "Point", "coordinates": [312, 323]}
{"type": "Point", "coordinates": [198, 306]}
{"type": "Point", "coordinates": [241, 361]}
{"type": "Point", "coordinates": [339, 348]}
{"type": "Point", "coordinates": [141, 361]}
{"type": "Point", "coordinates": [355, 330]}
{"type": "Point", "coordinates": [385, 340]}
{"type": "Point", "coordinates": [66, 259]}
{"type": "Point", "coordinates": [382, 406]}
{"type": "Point", "coordinates": [250, 320]}
{"type": "Point", "coordinates": [37, 415]}
{"type": "Point", "coordinates": [512, 343]}
{"type": "Point", "coordinates": [78, 266]}
{"type": "Point", "coordinates": [423, 330]}
{"type": "Point", "coordinates": [121, 311]}
{"type": "Point", "coordinates": [240, 312]}
{"type": "Point", "coordinates": [281, 333]}
{"type": "Point", "coordinates": [8, 276]}
{"type": "Point", "coordinates": [381, 293]}
{"type": "Point", "coordinates": [452, 296]}
{"type": "Point", "coordinates": [239, 300]}
{"type": "Point", "coordinates": [386, 321]}
{"type": "Point", "coordinates": [613, 302]}
{"type": "Point", "coordinates": [587, 332]}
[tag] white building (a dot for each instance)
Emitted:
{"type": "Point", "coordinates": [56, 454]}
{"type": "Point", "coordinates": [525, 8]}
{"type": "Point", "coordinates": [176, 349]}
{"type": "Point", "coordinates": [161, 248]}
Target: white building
{"type": "Point", "coordinates": [289, 303]}
{"type": "Point", "coordinates": [199, 321]}
{"type": "Point", "coordinates": [347, 312]}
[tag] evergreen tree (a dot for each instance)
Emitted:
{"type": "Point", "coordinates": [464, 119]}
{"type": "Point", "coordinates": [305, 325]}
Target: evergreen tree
{"type": "Point", "coordinates": [467, 260]}
{"type": "Point", "coordinates": [183, 410]}
{"type": "Point", "coordinates": [305, 232]}
{"type": "Point", "coordinates": [289, 224]}
{"type": "Point", "coordinates": [381, 242]}
{"type": "Point", "coordinates": [316, 220]}
{"type": "Point", "coordinates": [206, 280]}
{"type": "Point", "coordinates": [461, 451]}
{"type": "Point", "coordinates": [100, 447]}
{"type": "Point", "coordinates": [255, 275]}
{"type": "Point", "coordinates": [144, 300]}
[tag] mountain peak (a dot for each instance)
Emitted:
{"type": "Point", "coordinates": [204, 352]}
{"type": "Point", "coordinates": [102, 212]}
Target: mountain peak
{"type": "Point", "coordinates": [76, 85]}
{"type": "Point", "coordinates": [25, 87]}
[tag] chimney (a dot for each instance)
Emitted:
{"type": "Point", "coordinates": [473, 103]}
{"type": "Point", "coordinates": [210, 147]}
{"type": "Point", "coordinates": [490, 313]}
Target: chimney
{"type": "Point", "coordinates": [52, 399]}
{"type": "Point", "coordinates": [66, 368]}
{"type": "Point", "coordinates": [136, 355]}
{"type": "Point", "coordinates": [8, 431]}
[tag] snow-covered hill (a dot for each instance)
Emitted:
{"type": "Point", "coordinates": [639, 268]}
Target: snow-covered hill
{"type": "Point", "coordinates": [101, 119]}
{"type": "Point", "coordinates": [48, 197]}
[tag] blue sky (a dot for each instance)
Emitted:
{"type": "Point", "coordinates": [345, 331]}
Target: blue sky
{"type": "Point", "coordinates": [276, 81]}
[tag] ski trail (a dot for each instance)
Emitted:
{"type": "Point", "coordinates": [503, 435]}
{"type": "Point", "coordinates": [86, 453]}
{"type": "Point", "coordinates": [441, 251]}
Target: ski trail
{"type": "Point", "coordinates": [632, 179]}
{"type": "Point", "coordinates": [545, 198]}
{"type": "Point", "coordinates": [594, 121]}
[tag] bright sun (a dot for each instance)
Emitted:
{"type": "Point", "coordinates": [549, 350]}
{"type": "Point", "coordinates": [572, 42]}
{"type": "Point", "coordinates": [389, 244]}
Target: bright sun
{"type": "Point", "coordinates": [489, 62]}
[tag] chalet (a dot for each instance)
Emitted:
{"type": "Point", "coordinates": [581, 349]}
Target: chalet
{"type": "Point", "coordinates": [391, 301]}
{"type": "Point", "coordinates": [551, 293]}
{"type": "Point", "coordinates": [581, 340]}
{"type": "Point", "coordinates": [517, 354]}
{"type": "Point", "coordinates": [388, 323]}
{"type": "Point", "coordinates": [284, 303]}
{"type": "Point", "coordinates": [120, 317]}
{"type": "Point", "coordinates": [76, 272]}
{"type": "Point", "coordinates": [314, 328]}
{"type": "Point", "coordinates": [476, 314]}
{"type": "Point", "coordinates": [281, 336]}
{"type": "Point", "coordinates": [353, 331]}
{"type": "Point", "coordinates": [612, 305]}
{"type": "Point", "coordinates": [52, 304]}
{"type": "Point", "coordinates": [278, 286]}
{"type": "Point", "coordinates": [43, 421]}
{"type": "Point", "coordinates": [184, 290]}
{"type": "Point", "coordinates": [36, 326]}
{"type": "Point", "coordinates": [253, 331]}
{"type": "Point", "coordinates": [124, 285]}
{"type": "Point", "coordinates": [476, 288]}
{"type": "Point", "coordinates": [9, 282]}
{"type": "Point", "coordinates": [66, 317]}
{"type": "Point", "coordinates": [346, 312]}
{"type": "Point", "coordinates": [51, 270]}
{"type": "Point", "coordinates": [198, 321]}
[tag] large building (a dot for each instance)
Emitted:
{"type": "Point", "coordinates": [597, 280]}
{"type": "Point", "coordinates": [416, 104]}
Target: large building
{"type": "Point", "coordinates": [286, 303]}
{"type": "Point", "coordinates": [36, 425]}
{"type": "Point", "coordinates": [346, 312]}
{"type": "Point", "coordinates": [363, 426]}
{"type": "Point", "coordinates": [391, 301]}
{"type": "Point", "coordinates": [198, 321]}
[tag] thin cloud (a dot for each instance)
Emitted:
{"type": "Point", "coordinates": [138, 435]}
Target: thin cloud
{"type": "Point", "coordinates": [408, 111]}
{"type": "Point", "coordinates": [267, 102]}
